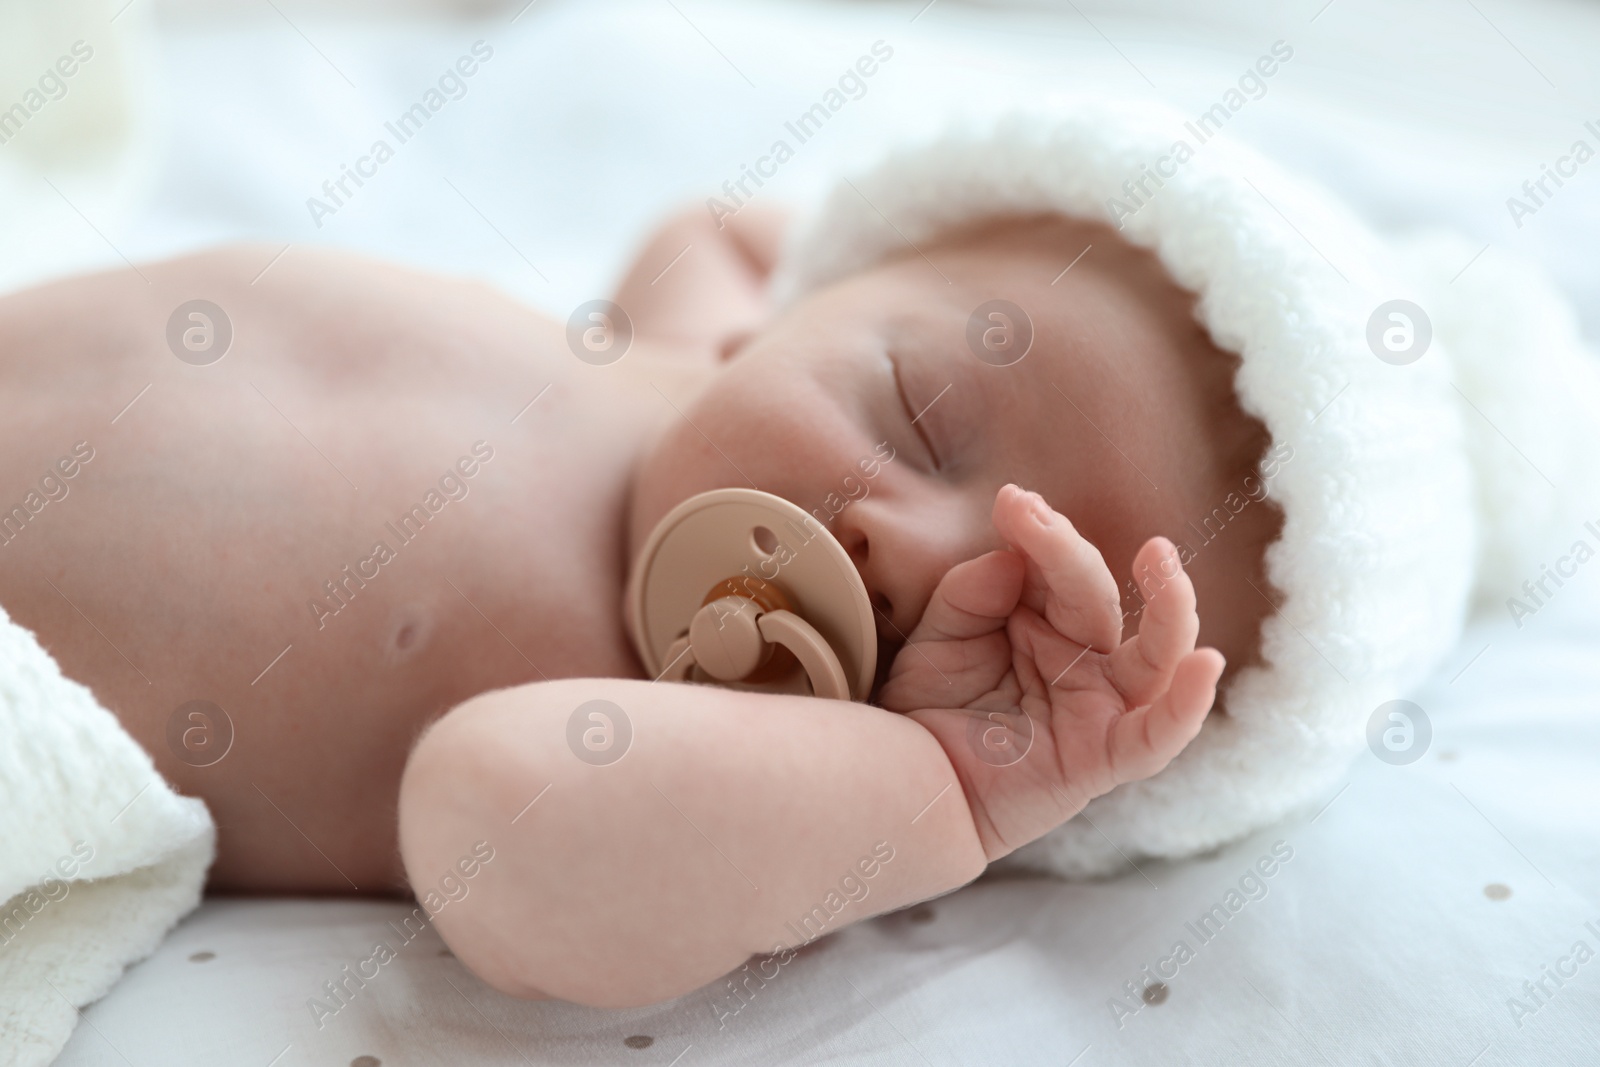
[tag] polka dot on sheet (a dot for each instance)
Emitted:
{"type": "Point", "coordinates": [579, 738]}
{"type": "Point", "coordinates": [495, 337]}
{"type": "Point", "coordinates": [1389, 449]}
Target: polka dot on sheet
{"type": "Point", "coordinates": [202, 956]}
{"type": "Point", "coordinates": [1155, 993]}
{"type": "Point", "coordinates": [1497, 891]}
{"type": "Point", "coordinates": [639, 1041]}
{"type": "Point", "coordinates": [366, 1061]}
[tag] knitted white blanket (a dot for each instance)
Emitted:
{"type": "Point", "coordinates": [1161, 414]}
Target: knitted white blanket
{"type": "Point", "coordinates": [98, 856]}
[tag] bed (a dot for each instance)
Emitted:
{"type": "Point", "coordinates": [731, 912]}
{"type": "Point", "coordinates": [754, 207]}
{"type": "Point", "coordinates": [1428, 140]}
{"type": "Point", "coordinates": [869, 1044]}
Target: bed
{"type": "Point", "coordinates": [1428, 912]}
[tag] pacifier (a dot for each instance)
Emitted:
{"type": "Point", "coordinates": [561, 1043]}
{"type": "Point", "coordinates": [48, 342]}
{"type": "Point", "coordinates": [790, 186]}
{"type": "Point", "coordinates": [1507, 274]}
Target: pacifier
{"type": "Point", "coordinates": [740, 588]}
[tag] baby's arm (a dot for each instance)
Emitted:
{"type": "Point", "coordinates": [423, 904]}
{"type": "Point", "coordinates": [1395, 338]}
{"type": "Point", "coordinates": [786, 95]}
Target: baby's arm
{"type": "Point", "coordinates": [740, 823]}
{"type": "Point", "coordinates": [736, 823]}
{"type": "Point", "coordinates": [700, 288]}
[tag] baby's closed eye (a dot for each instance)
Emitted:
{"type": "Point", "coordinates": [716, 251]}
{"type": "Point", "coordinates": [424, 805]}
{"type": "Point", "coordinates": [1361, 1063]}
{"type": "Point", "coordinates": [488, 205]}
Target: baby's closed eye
{"type": "Point", "coordinates": [910, 414]}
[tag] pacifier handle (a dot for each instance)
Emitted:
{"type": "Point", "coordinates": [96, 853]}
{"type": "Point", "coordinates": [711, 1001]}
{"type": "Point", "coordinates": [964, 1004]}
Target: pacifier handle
{"type": "Point", "coordinates": [815, 654]}
{"type": "Point", "coordinates": [801, 603]}
{"type": "Point", "coordinates": [731, 636]}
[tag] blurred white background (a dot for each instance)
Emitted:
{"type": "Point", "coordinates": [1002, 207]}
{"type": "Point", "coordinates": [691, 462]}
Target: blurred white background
{"type": "Point", "coordinates": [200, 121]}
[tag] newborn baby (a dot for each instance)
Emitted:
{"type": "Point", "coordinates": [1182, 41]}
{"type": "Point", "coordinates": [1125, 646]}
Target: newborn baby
{"type": "Point", "coordinates": [1017, 543]}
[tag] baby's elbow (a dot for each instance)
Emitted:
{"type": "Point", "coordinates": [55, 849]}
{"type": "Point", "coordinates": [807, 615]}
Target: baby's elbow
{"type": "Point", "coordinates": [457, 811]}
{"type": "Point", "coordinates": [549, 908]}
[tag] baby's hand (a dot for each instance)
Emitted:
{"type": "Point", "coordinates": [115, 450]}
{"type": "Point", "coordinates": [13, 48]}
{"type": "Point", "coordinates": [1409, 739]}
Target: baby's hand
{"type": "Point", "coordinates": [1018, 667]}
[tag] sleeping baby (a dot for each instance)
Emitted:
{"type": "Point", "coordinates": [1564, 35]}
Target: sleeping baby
{"type": "Point", "coordinates": [352, 545]}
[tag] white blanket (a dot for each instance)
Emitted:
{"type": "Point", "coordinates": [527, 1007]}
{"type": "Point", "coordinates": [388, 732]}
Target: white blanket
{"type": "Point", "coordinates": [98, 856]}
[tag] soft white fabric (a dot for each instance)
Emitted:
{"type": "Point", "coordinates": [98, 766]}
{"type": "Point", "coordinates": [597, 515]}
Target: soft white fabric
{"type": "Point", "coordinates": [1397, 496]}
{"type": "Point", "coordinates": [1532, 414]}
{"type": "Point", "coordinates": [98, 856]}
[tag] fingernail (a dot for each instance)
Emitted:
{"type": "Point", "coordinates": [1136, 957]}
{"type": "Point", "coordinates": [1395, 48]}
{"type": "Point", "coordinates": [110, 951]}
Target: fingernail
{"type": "Point", "coordinates": [1041, 510]}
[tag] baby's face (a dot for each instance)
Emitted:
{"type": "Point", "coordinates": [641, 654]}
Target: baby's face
{"type": "Point", "coordinates": [1121, 413]}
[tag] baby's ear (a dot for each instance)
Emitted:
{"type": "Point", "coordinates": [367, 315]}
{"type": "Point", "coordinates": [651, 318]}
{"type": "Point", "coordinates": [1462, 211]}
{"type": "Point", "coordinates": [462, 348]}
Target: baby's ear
{"type": "Point", "coordinates": [733, 344]}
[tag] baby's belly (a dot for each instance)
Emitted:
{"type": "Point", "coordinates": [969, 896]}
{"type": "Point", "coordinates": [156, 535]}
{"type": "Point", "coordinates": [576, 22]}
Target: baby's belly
{"type": "Point", "coordinates": [278, 567]}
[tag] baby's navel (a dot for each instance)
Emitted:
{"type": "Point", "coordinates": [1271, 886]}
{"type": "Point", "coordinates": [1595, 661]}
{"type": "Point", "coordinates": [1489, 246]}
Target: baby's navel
{"type": "Point", "coordinates": [409, 629]}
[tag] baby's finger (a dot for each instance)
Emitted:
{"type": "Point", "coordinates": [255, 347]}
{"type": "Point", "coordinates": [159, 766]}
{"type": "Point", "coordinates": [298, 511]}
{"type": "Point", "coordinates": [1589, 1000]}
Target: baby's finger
{"type": "Point", "coordinates": [1142, 666]}
{"type": "Point", "coordinates": [1146, 740]}
{"type": "Point", "coordinates": [960, 647]}
{"type": "Point", "coordinates": [973, 598]}
{"type": "Point", "coordinates": [1081, 602]}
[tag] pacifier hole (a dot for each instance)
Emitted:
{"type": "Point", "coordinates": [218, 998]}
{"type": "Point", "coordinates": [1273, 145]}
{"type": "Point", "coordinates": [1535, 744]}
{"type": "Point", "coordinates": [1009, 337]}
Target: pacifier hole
{"type": "Point", "coordinates": [765, 540]}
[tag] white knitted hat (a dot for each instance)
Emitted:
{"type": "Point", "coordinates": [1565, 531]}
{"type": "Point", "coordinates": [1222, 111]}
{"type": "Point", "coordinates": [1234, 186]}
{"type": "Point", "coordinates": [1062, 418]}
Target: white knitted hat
{"type": "Point", "coordinates": [1413, 484]}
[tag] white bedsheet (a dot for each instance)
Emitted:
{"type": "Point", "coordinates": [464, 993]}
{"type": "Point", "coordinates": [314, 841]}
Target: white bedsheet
{"type": "Point", "coordinates": [1379, 942]}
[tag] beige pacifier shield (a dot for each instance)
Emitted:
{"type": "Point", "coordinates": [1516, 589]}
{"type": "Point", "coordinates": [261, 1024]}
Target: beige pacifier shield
{"type": "Point", "coordinates": [738, 533]}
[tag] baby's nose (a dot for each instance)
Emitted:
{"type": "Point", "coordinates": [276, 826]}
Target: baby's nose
{"type": "Point", "coordinates": [904, 542]}
{"type": "Point", "coordinates": [891, 631]}
{"type": "Point", "coordinates": [855, 542]}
